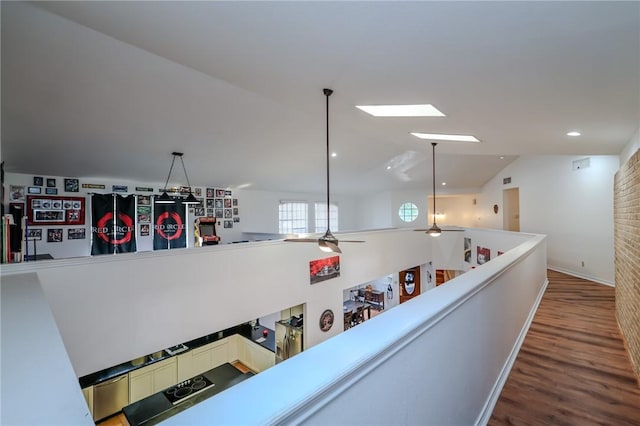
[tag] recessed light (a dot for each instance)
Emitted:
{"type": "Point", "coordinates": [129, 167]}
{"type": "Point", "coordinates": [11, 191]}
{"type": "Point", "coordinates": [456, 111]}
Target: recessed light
{"type": "Point", "coordinates": [426, 110]}
{"type": "Point", "coordinates": [438, 137]}
{"type": "Point", "coordinates": [444, 183]}
{"type": "Point", "coordinates": [388, 167]}
{"type": "Point", "coordinates": [334, 154]}
{"type": "Point", "coordinates": [573, 133]}
{"type": "Point", "coordinates": [502, 157]}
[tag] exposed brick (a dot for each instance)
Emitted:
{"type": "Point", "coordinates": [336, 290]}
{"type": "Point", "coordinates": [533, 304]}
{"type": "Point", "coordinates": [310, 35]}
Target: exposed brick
{"type": "Point", "coordinates": [626, 216]}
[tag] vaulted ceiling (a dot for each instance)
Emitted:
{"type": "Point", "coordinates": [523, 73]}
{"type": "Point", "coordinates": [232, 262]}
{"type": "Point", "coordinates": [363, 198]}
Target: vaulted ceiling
{"type": "Point", "coordinates": [110, 89]}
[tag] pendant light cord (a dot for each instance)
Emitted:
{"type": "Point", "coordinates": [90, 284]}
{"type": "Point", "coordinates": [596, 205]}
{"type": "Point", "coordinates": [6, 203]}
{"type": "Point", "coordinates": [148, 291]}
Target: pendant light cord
{"type": "Point", "coordinates": [328, 93]}
{"type": "Point", "coordinates": [433, 158]}
{"type": "Point", "coordinates": [185, 172]}
{"type": "Point", "coordinates": [170, 170]}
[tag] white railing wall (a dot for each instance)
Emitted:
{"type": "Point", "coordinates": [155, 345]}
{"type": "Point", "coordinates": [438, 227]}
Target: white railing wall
{"type": "Point", "coordinates": [440, 359]}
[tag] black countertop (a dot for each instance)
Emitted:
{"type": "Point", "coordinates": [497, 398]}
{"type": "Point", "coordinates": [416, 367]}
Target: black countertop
{"type": "Point", "coordinates": [156, 408]}
{"type": "Point", "coordinates": [245, 330]}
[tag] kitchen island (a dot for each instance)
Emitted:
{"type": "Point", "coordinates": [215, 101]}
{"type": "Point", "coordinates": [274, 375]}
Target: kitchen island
{"type": "Point", "coordinates": [169, 402]}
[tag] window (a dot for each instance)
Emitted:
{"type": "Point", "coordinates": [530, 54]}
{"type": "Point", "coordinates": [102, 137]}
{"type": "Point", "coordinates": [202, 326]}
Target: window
{"type": "Point", "coordinates": [408, 212]}
{"type": "Point", "coordinates": [321, 217]}
{"type": "Point", "coordinates": [293, 217]}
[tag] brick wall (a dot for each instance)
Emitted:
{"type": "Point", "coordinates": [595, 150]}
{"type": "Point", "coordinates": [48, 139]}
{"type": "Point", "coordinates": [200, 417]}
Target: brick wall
{"type": "Point", "coordinates": [626, 218]}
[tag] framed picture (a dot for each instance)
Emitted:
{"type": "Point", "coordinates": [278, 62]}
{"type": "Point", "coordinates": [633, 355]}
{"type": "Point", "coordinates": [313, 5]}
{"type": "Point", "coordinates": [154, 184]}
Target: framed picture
{"type": "Point", "coordinates": [228, 224]}
{"type": "Point", "coordinates": [16, 193]}
{"type": "Point", "coordinates": [34, 190]}
{"type": "Point", "coordinates": [219, 193]}
{"type": "Point", "coordinates": [324, 269]}
{"type": "Point", "coordinates": [54, 235]}
{"type": "Point", "coordinates": [34, 234]}
{"type": "Point", "coordinates": [219, 213]}
{"type": "Point", "coordinates": [50, 210]}
{"type": "Point", "coordinates": [119, 188]}
{"type": "Point", "coordinates": [210, 203]}
{"type": "Point", "coordinates": [210, 213]}
{"type": "Point", "coordinates": [76, 234]}
{"type": "Point", "coordinates": [38, 181]}
{"type": "Point", "coordinates": [144, 218]}
{"type": "Point", "coordinates": [235, 202]}
{"type": "Point", "coordinates": [219, 203]}
{"type": "Point", "coordinates": [197, 192]}
{"type": "Point", "coordinates": [51, 182]}
{"type": "Point", "coordinates": [235, 211]}
{"type": "Point", "coordinates": [71, 185]}
{"type": "Point", "coordinates": [227, 203]}
{"type": "Point", "coordinates": [51, 191]}
{"type": "Point", "coordinates": [198, 211]}
{"type": "Point", "coordinates": [236, 219]}
{"type": "Point", "coordinates": [326, 320]}
{"type": "Point", "coordinates": [227, 193]}
{"type": "Point", "coordinates": [210, 193]}
{"type": "Point", "coordinates": [144, 210]}
{"type": "Point", "coordinates": [144, 200]}
{"type": "Point", "coordinates": [483, 255]}
{"type": "Point", "coordinates": [144, 230]}
{"type": "Point", "coordinates": [227, 214]}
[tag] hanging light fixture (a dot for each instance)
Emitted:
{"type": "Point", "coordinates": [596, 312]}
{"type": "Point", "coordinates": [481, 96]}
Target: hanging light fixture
{"type": "Point", "coordinates": [434, 231]}
{"type": "Point", "coordinates": [164, 198]}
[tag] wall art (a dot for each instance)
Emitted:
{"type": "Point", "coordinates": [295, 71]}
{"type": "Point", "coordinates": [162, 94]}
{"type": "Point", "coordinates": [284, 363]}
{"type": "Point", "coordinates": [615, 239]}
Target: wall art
{"type": "Point", "coordinates": [227, 214]}
{"type": "Point", "coordinates": [219, 213]}
{"type": "Point", "coordinates": [76, 234]}
{"type": "Point", "coordinates": [51, 182]}
{"type": "Point", "coordinates": [54, 235]}
{"type": "Point", "coordinates": [144, 230]}
{"type": "Point", "coordinates": [144, 189]}
{"type": "Point", "coordinates": [38, 181]}
{"type": "Point", "coordinates": [34, 234]}
{"type": "Point", "coordinates": [51, 191]}
{"type": "Point", "coordinates": [228, 224]}
{"type": "Point", "coordinates": [219, 193]}
{"type": "Point", "coordinates": [483, 255]}
{"type": "Point", "coordinates": [324, 269]}
{"type": "Point", "coordinates": [16, 193]}
{"type": "Point", "coordinates": [326, 320]}
{"type": "Point", "coordinates": [71, 185]}
{"type": "Point", "coordinates": [93, 186]}
{"type": "Point", "coordinates": [49, 210]}
{"type": "Point", "coordinates": [119, 188]}
{"type": "Point", "coordinates": [210, 193]}
{"type": "Point", "coordinates": [34, 190]}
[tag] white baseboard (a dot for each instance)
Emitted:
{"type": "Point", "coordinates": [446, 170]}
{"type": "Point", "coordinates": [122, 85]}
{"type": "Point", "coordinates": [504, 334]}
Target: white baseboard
{"type": "Point", "coordinates": [583, 276]}
{"type": "Point", "coordinates": [487, 410]}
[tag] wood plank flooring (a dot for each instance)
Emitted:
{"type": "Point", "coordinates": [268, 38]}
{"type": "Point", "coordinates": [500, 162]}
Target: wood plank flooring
{"type": "Point", "coordinates": [572, 368]}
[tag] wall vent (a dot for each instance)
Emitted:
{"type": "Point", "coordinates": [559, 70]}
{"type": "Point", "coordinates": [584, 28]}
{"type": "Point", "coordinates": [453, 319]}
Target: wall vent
{"type": "Point", "coordinates": [581, 164]}
{"type": "Point", "coordinates": [506, 181]}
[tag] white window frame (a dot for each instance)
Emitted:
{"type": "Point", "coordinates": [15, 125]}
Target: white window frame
{"type": "Point", "coordinates": [402, 212]}
{"type": "Point", "coordinates": [321, 216]}
{"type": "Point", "coordinates": [293, 217]}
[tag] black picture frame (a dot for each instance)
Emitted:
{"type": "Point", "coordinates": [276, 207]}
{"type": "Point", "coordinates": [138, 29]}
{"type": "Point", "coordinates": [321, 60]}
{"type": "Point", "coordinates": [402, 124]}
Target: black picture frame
{"type": "Point", "coordinates": [72, 185]}
{"type": "Point", "coordinates": [54, 235]}
{"type": "Point", "coordinates": [38, 181]}
{"type": "Point", "coordinates": [34, 190]}
{"type": "Point", "coordinates": [51, 182]}
{"type": "Point", "coordinates": [34, 234]}
{"type": "Point", "coordinates": [51, 191]}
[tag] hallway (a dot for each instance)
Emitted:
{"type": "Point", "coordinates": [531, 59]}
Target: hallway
{"type": "Point", "coordinates": [573, 368]}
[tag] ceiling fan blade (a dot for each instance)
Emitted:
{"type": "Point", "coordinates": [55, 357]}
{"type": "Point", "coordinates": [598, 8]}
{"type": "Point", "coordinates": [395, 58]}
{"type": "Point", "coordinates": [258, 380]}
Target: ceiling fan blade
{"type": "Point", "coordinates": [301, 240]}
{"type": "Point", "coordinates": [350, 241]}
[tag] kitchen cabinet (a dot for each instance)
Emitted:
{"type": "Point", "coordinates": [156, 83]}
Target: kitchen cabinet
{"type": "Point", "coordinates": [204, 358]}
{"type": "Point", "coordinates": [254, 356]}
{"type": "Point", "coordinates": [88, 396]}
{"type": "Point", "coordinates": [153, 378]}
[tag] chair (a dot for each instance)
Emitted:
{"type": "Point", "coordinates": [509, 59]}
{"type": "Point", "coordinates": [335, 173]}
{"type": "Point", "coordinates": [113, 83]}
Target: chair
{"type": "Point", "coordinates": [358, 317]}
{"type": "Point", "coordinates": [348, 319]}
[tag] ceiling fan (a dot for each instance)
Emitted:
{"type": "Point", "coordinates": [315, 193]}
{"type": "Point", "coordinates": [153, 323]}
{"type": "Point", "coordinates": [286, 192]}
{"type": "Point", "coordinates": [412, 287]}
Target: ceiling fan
{"type": "Point", "coordinates": [328, 242]}
{"type": "Point", "coordinates": [435, 230]}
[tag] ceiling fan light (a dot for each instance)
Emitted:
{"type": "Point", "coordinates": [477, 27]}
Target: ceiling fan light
{"type": "Point", "coordinates": [434, 231]}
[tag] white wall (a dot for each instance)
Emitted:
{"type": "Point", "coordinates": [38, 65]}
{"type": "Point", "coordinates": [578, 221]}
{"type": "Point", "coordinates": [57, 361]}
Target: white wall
{"type": "Point", "coordinates": [375, 211]}
{"type": "Point", "coordinates": [630, 148]}
{"type": "Point", "coordinates": [455, 210]}
{"type": "Point", "coordinates": [574, 208]}
{"type": "Point", "coordinates": [111, 309]}
{"type": "Point", "coordinates": [258, 212]}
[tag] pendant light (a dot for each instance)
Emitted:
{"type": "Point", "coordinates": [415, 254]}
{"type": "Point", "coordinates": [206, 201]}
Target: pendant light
{"type": "Point", "coordinates": [164, 198]}
{"type": "Point", "coordinates": [434, 231]}
{"type": "Point", "coordinates": [328, 242]}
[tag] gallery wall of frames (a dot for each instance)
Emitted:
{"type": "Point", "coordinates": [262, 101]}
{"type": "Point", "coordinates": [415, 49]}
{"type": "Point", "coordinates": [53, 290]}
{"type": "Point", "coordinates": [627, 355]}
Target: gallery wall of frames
{"type": "Point", "coordinates": [55, 214]}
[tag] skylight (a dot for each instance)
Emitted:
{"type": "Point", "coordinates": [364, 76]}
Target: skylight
{"type": "Point", "coordinates": [438, 137]}
{"type": "Point", "coordinates": [426, 110]}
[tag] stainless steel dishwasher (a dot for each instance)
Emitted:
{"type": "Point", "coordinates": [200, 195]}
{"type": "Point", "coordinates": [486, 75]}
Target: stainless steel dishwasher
{"type": "Point", "coordinates": [109, 397]}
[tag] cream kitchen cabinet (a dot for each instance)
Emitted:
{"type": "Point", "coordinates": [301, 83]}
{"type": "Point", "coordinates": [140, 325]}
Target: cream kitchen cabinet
{"type": "Point", "coordinates": [88, 396]}
{"type": "Point", "coordinates": [153, 378]}
{"type": "Point", "coordinates": [253, 355]}
{"type": "Point", "coordinates": [205, 358]}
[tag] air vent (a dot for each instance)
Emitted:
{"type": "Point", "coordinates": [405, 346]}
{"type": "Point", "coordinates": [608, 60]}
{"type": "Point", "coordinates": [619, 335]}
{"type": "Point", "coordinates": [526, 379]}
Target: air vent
{"type": "Point", "coordinates": [581, 164]}
{"type": "Point", "coordinates": [506, 180]}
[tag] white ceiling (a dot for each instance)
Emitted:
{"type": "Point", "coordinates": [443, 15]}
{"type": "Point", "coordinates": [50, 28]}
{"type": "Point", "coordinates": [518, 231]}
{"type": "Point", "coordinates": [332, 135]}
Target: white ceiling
{"type": "Point", "coordinates": [104, 89]}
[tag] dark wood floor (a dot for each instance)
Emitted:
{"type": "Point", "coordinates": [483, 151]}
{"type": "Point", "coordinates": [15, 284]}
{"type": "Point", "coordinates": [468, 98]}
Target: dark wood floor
{"type": "Point", "coordinates": [573, 368]}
